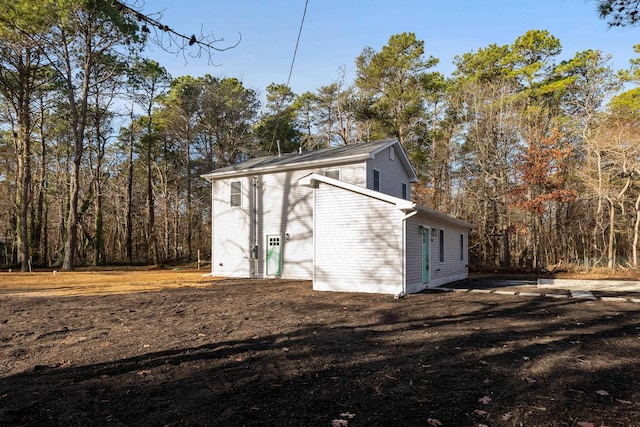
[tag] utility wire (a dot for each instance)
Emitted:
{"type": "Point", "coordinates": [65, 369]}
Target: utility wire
{"type": "Point", "coordinates": [293, 60]}
{"type": "Point", "coordinates": [295, 51]}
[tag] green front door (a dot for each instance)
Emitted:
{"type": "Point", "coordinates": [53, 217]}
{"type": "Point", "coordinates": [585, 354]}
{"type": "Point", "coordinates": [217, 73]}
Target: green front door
{"type": "Point", "coordinates": [425, 255]}
{"type": "Point", "coordinates": [273, 255]}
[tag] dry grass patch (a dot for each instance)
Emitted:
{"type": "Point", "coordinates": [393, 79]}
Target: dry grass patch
{"type": "Point", "coordinates": [74, 283]}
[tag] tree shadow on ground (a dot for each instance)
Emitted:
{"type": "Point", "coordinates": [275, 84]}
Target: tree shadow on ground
{"type": "Point", "coordinates": [458, 359]}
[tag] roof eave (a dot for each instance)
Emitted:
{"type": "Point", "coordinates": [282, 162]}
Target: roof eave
{"type": "Point", "coordinates": [212, 176]}
{"type": "Point", "coordinates": [444, 217]}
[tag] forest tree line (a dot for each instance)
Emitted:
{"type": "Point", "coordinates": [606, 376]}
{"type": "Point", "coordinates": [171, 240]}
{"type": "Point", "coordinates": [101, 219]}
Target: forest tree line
{"type": "Point", "coordinates": [101, 150]}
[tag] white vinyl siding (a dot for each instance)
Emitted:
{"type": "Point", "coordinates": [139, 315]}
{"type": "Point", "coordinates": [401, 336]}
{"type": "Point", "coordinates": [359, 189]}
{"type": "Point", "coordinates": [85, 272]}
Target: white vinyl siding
{"type": "Point", "coordinates": [413, 257]}
{"type": "Point", "coordinates": [231, 227]}
{"type": "Point", "coordinates": [355, 250]}
{"type": "Point", "coordinates": [287, 208]}
{"type": "Point", "coordinates": [392, 173]}
{"type": "Point", "coordinates": [353, 173]}
{"type": "Point", "coordinates": [439, 273]}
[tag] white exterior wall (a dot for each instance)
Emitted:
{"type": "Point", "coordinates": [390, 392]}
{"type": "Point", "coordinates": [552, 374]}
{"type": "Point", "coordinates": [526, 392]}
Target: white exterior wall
{"type": "Point", "coordinates": [392, 173]}
{"type": "Point", "coordinates": [452, 269]}
{"type": "Point", "coordinates": [358, 242]}
{"type": "Point", "coordinates": [413, 256]}
{"type": "Point", "coordinates": [284, 207]}
{"type": "Point", "coordinates": [353, 173]}
{"type": "Point", "coordinates": [231, 227]}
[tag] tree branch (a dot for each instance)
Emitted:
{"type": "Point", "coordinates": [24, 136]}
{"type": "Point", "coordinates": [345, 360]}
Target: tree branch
{"type": "Point", "coordinates": [620, 13]}
{"type": "Point", "coordinates": [173, 41]}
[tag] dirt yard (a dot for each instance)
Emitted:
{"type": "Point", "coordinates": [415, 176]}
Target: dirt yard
{"type": "Point", "coordinates": [171, 348]}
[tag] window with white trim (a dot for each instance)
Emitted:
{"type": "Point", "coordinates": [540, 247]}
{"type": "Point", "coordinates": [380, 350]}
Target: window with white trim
{"type": "Point", "coordinates": [441, 242]}
{"type": "Point", "coordinates": [404, 191]}
{"type": "Point", "coordinates": [461, 247]}
{"type": "Point", "coordinates": [376, 180]}
{"type": "Point", "coordinates": [333, 173]}
{"type": "Point", "coordinates": [235, 193]}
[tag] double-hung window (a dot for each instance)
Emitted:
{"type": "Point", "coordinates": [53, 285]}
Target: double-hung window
{"type": "Point", "coordinates": [333, 173]}
{"type": "Point", "coordinates": [235, 194]}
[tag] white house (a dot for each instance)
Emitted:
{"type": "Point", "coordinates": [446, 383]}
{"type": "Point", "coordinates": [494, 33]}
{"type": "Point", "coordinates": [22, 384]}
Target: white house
{"type": "Point", "coordinates": [341, 217]}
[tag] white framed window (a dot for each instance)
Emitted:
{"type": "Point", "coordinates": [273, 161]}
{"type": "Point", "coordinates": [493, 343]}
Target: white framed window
{"type": "Point", "coordinates": [376, 180]}
{"type": "Point", "coordinates": [333, 173]}
{"type": "Point", "coordinates": [235, 193]}
{"type": "Point", "coordinates": [441, 245]}
{"type": "Point", "coordinates": [461, 247]}
{"type": "Point", "coordinates": [405, 192]}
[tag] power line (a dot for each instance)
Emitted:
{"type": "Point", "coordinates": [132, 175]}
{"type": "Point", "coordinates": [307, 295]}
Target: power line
{"type": "Point", "coordinates": [293, 61]}
{"type": "Point", "coordinates": [295, 52]}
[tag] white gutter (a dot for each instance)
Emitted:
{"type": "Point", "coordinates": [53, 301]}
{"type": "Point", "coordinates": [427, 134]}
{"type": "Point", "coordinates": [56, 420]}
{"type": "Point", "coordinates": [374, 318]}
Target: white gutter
{"type": "Point", "coordinates": [253, 252]}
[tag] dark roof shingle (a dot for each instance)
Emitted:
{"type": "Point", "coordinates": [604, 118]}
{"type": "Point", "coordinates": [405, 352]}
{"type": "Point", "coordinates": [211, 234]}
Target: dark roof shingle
{"type": "Point", "coordinates": [309, 156]}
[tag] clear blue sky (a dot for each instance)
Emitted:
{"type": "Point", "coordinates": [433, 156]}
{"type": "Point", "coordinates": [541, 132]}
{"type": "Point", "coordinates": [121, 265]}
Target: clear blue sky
{"type": "Point", "coordinates": [336, 31]}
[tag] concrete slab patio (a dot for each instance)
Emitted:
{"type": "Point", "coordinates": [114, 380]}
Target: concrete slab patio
{"type": "Point", "coordinates": [590, 285]}
{"type": "Point", "coordinates": [588, 290]}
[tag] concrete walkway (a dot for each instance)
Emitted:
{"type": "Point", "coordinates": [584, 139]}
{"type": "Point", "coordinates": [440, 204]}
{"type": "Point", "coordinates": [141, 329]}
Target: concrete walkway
{"type": "Point", "coordinates": [588, 290]}
{"type": "Point", "coordinates": [591, 285]}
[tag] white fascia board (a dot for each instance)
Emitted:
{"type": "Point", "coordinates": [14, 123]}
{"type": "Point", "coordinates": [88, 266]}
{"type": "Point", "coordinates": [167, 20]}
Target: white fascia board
{"type": "Point", "coordinates": [313, 179]}
{"type": "Point", "coordinates": [212, 176]}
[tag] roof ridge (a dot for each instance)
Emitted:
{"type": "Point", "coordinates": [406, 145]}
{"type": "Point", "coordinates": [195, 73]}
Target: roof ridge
{"type": "Point", "coordinates": [292, 158]}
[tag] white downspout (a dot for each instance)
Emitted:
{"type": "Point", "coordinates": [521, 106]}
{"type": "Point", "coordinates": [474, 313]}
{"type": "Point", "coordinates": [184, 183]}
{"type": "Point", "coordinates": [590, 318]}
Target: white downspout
{"type": "Point", "coordinates": [254, 247]}
{"type": "Point", "coordinates": [404, 255]}
{"type": "Point", "coordinates": [212, 225]}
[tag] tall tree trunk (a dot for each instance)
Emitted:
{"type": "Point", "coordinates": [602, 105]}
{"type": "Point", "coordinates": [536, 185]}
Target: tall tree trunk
{"type": "Point", "coordinates": [189, 216]}
{"type": "Point", "coordinates": [128, 246]}
{"type": "Point", "coordinates": [18, 71]}
{"type": "Point", "coordinates": [78, 122]}
{"type": "Point", "coordinates": [22, 142]}
{"type": "Point", "coordinates": [72, 216]}
{"type": "Point", "coordinates": [98, 223]}
{"type": "Point", "coordinates": [611, 253]}
{"type": "Point", "coordinates": [151, 219]}
{"type": "Point", "coordinates": [39, 228]}
{"type": "Point", "coordinates": [23, 148]}
{"type": "Point", "coordinates": [636, 230]}
{"type": "Point", "coordinates": [98, 254]}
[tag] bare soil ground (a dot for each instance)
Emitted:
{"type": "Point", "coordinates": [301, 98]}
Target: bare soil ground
{"type": "Point", "coordinates": [175, 348]}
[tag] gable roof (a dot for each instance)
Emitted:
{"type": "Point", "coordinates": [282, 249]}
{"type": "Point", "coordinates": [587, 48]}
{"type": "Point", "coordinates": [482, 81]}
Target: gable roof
{"type": "Point", "coordinates": [322, 157]}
